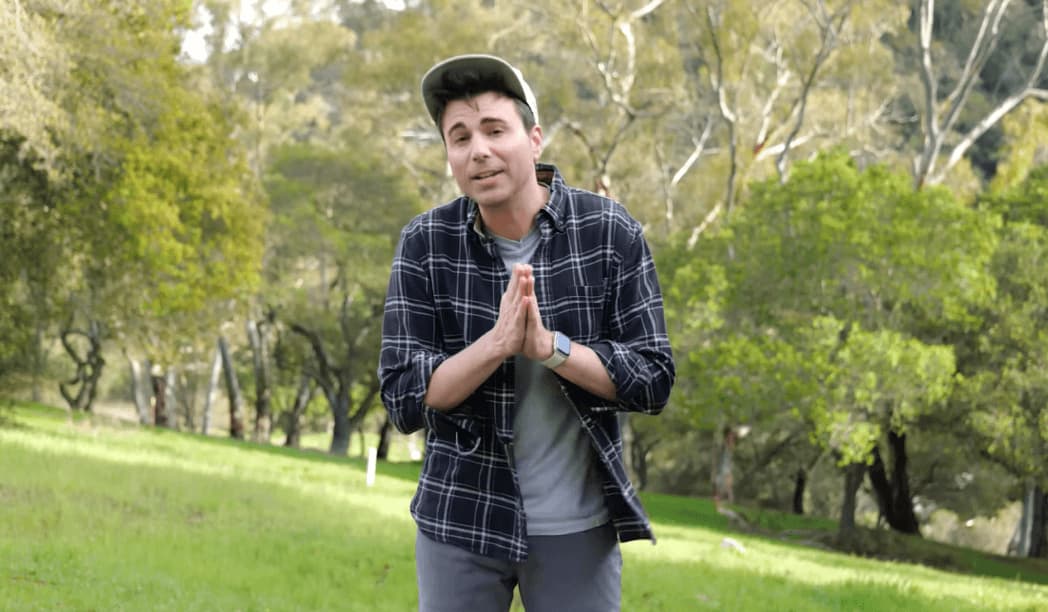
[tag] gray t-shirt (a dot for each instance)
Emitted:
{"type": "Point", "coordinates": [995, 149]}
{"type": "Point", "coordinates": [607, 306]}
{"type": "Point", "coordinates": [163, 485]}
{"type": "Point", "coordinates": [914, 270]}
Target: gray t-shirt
{"type": "Point", "coordinates": [555, 461]}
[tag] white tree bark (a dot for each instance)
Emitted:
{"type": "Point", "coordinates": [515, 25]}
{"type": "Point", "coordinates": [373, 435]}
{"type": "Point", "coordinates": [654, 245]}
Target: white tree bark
{"type": "Point", "coordinates": [212, 391]}
{"type": "Point", "coordinates": [936, 129]}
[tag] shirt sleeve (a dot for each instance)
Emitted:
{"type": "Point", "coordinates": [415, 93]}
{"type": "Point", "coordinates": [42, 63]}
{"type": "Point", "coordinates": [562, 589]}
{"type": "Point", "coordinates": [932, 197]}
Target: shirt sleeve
{"type": "Point", "coordinates": [411, 342]}
{"type": "Point", "coordinates": [637, 354]}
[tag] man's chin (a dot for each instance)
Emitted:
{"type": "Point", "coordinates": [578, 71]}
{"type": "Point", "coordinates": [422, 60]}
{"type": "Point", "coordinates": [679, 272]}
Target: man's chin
{"type": "Point", "coordinates": [487, 200]}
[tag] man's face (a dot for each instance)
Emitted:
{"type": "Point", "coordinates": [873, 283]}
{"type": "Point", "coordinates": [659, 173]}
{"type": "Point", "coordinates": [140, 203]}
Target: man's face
{"type": "Point", "coordinates": [491, 155]}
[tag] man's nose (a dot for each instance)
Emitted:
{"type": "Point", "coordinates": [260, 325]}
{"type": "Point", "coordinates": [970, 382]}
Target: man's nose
{"type": "Point", "coordinates": [480, 150]}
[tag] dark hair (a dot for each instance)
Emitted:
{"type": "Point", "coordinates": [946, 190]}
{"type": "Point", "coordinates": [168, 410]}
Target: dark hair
{"type": "Point", "coordinates": [467, 84]}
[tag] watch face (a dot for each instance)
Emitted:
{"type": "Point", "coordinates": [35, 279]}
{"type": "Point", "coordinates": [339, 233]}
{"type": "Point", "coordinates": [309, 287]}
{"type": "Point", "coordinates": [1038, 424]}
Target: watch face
{"type": "Point", "coordinates": [562, 344]}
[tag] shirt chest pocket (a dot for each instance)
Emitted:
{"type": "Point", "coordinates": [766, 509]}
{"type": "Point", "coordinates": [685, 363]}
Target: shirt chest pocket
{"type": "Point", "coordinates": [578, 311]}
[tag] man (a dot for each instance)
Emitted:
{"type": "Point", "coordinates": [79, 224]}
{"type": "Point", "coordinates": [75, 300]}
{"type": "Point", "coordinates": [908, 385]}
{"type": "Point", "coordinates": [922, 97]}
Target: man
{"type": "Point", "coordinates": [520, 319]}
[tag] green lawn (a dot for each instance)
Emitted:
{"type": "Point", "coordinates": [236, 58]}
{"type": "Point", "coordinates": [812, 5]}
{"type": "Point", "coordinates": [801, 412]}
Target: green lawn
{"type": "Point", "coordinates": [102, 517]}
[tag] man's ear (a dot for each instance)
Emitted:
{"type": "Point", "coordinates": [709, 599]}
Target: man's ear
{"type": "Point", "coordinates": [536, 142]}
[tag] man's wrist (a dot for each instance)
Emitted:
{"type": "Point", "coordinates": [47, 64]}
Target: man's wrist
{"type": "Point", "coordinates": [561, 346]}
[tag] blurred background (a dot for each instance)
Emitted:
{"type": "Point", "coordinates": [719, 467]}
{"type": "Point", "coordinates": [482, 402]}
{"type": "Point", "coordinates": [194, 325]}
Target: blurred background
{"type": "Point", "coordinates": [847, 201]}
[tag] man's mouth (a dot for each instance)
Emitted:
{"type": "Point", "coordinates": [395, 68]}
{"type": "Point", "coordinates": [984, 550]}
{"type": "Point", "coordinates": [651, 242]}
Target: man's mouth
{"type": "Point", "coordinates": [485, 175]}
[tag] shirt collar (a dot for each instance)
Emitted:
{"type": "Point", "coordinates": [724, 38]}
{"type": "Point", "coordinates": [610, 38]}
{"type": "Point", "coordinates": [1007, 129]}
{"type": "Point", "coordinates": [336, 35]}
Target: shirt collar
{"type": "Point", "coordinates": [558, 192]}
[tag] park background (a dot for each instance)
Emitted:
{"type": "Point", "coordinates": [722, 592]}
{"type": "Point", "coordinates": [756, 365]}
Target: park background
{"type": "Point", "coordinates": [847, 202]}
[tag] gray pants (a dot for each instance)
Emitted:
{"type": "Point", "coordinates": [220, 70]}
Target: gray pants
{"type": "Point", "coordinates": [570, 573]}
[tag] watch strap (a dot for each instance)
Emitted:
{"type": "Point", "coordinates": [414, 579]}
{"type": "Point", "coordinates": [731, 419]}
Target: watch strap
{"type": "Point", "coordinates": [558, 357]}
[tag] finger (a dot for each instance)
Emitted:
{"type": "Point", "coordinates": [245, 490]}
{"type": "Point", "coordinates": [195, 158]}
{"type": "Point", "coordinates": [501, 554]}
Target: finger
{"type": "Point", "coordinates": [534, 316]}
{"type": "Point", "coordinates": [513, 289]}
{"type": "Point", "coordinates": [519, 322]}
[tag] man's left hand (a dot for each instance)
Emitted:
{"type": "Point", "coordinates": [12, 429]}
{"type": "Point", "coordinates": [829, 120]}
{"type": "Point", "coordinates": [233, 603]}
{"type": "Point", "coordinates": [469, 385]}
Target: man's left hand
{"type": "Point", "coordinates": [538, 341]}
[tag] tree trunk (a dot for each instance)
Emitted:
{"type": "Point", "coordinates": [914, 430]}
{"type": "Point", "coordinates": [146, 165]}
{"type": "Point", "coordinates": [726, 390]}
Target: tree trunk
{"type": "Point", "coordinates": [637, 449]}
{"type": "Point", "coordinates": [800, 480]}
{"type": "Point", "coordinates": [893, 496]}
{"type": "Point", "coordinates": [38, 363]}
{"type": "Point", "coordinates": [159, 385]}
{"type": "Point", "coordinates": [342, 429]}
{"type": "Point", "coordinates": [171, 402]}
{"type": "Point", "coordinates": [212, 392]}
{"type": "Point", "coordinates": [882, 489]}
{"type": "Point", "coordinates": [384, 439]}
{"type": "Point", "coordinates": [853, 475]}
{"type": "Point", "coordinates": [138, 389]}
{"type": "Point", "coordinates": [1031, 533]}
{"type": "Point", "coordinates": [186, 393]}
{"type": "Point", "coordinates": [902, 502]}
{"type": "Point", "coordinates": [294, 422]}
{"type": "Point", "coordinates": [88, 367]}
{"type": "Point", "coordinates": [236, 402]}
{"type": "Point", "coordinates": [260, 358]}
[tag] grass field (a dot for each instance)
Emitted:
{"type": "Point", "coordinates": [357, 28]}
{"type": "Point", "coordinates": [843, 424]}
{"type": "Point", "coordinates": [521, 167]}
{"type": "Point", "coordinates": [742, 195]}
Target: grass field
{"type": "Point", "coordinates": [106, 517]}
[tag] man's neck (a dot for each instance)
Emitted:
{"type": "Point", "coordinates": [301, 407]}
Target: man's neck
{"type": "Point", "coordinates": [514, 222]}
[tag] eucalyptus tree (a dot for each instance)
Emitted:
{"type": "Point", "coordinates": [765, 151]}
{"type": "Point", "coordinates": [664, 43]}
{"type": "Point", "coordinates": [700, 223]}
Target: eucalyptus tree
{"type": "Point", "coordinates": [772, 80]}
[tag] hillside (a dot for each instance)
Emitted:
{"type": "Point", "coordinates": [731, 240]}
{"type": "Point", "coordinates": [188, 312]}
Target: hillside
{"type": "Point", "coordinates": [107, 516]}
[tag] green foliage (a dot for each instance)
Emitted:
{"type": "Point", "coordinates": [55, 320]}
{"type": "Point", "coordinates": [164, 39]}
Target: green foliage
{"type": "Point", "coordinates": [873, 382]}
{"type": "Point", "coordinates": [808, 300]}
{"type": "Point", "coordinates": [859, 245]}
{"type": "Point", "coordinates": [145, 214]}
{"type": "Point", "coordinates": [182, 214]}
{"type": "Point", "coordinates": [1006, 390]}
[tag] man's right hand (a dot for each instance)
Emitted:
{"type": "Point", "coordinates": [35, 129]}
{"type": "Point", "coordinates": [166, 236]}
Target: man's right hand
{"type": "Point", "coordinates": [461, 374]}
{"type": "Point", "coordinates": [510, 329]}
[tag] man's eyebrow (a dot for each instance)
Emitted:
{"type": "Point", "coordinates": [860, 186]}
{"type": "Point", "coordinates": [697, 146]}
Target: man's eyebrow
{"type": "Point", "coordinates": [484, 121]}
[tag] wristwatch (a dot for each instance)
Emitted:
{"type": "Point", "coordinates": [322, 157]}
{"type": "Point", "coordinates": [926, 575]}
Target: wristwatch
{"type": "Point", "coordinates": [561, 350]}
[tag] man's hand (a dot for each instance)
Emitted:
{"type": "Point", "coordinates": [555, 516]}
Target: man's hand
{"type": "Point", "coordinates": [509, 332]}
{"type": "Point", "coordinates": [519, 328]}
{"type": "Point", "coordinates": [538, 341]}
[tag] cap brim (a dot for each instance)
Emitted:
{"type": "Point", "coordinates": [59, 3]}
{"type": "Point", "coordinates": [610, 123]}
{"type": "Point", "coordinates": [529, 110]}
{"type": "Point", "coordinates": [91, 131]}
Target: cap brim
{"type": "Point", "coordinates": [512, 79]}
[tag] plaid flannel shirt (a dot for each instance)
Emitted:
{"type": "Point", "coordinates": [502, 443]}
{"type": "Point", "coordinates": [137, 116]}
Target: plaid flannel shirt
{"type": "Point", "coordinates": [595, 281]}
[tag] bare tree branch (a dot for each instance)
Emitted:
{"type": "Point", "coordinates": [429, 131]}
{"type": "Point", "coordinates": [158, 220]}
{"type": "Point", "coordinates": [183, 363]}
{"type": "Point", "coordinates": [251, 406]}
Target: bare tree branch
{"type": "Point", "coordinates": [710, 218]}
{"type": "Point", "coordinates": [700, 146]}
{"type": "Point", "coordinates": [1027, 90]}
{"type": "Point", "coordinates": [717, 82]}
{"type": "Point", "coordinates": [782, 77]}
{"type": "Point", "coordinates": [324, 374]}
{"type": "Point", "coordinates": [926, 161]}
{"type": "Point", "coordinates": [645, 10]}
{"type": "Point", "coordinates": [830, 27]}
{"type": "Point", "coordinates": [936, 130]}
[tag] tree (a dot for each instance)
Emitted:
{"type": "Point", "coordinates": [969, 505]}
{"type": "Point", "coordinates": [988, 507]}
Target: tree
{"type": "Point", "coordinates": [782, 78]}
{"type": "Point", "coordinates": [825, 276]}
{"type": "Point", "coordinates": [1005, 388]}
{"type": "Point", "coordinates": [150, 217]}
{"type": "Point", "coordinates": [329, 266]}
